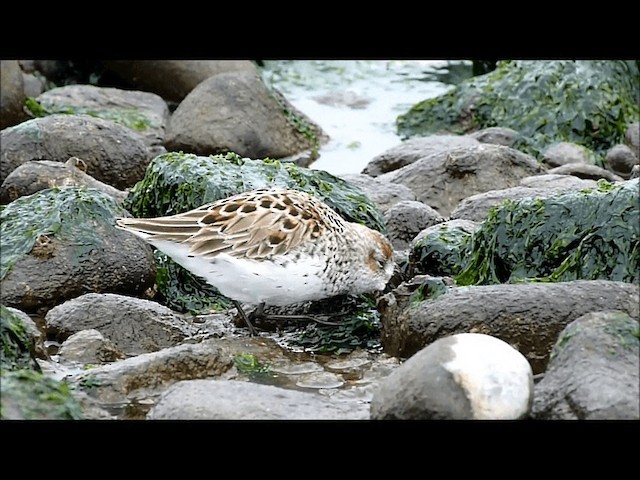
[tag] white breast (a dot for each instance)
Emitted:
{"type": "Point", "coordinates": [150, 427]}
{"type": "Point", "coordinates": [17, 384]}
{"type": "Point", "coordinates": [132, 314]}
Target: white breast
{"type": "Point", "coordinates": [252, 281]}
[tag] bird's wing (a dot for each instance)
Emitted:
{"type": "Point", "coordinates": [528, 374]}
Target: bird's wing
{"type": "Point", "coordinates": [255, 225]}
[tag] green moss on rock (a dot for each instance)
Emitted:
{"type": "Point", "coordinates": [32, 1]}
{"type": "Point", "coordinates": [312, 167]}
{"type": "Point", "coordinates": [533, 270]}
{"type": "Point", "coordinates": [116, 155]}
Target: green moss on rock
{"type": "Point", "coordinates": [127, 117]}
{"type": "Point", "coordinates": [590, 103]}
{"type": "Point", "coordinates": [178, 182]}
{"type": "Point", "coordinates": [438, 252]}
{"type": "Point", "coordinates": [29, 395]}
{"type": "Point", "coordinates": [593, 234]}
{"type": "Point", "coordinates": [18, 349]}
{"type": "Point", "coordinates": [72, 214]}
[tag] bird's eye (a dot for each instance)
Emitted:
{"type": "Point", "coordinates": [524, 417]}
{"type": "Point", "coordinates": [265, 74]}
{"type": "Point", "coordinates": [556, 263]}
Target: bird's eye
{"type": "Point", "coordinates": [381, 264]}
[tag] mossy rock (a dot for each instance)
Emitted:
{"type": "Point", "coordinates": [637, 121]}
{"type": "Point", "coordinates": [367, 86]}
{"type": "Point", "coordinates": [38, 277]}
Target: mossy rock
{"type": "Point", "coordinates": [178, 182]}
{"type": "Point", "coordinates": [128, 117]}
{"type": "Point", "coordinates": [584, 235]}
{"type": "Point", "coordinates": [18, 348]}
{"type": "Point", "coordinates": [30, 395]}
{"type": "Point", "coordinates": [438, 251]}
{"type": "Point", "coordinates": [588, 102]}
{"type": "Point", "coordinates": [75, 215]}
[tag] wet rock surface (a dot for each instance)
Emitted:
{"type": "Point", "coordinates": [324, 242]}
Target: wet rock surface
{"type": "Point", "coordinates": [529, 316]}
{"type": "Point", "coordinates": [594, 371]}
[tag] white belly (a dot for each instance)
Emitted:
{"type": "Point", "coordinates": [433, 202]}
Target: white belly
{"type": "Point", "coordinates": [251, 281]}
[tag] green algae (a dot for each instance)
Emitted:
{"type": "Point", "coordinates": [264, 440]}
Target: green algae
{"type": "Point", "coordinates": [438, 252]}
{"type": "Point", "coordinates": [18, 349]}
{"type": "Point", "coordinates": [30, 395]}
{"type": "Point", "coordinates": [588, 102]}
{"type": "Point", "coordinates": [578, 235]}
{"type": "Point", "coordinates": [72, 214]}
{"type": "Point", "coordinates": [178, 182]}
{"type": "Point", "coordinates": [128, 117]}
{"type": "Point", "coordinates": [358, 328]}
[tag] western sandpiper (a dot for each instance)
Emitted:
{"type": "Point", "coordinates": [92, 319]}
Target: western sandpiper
{"type": "Point", "coordinates": [271, 247]}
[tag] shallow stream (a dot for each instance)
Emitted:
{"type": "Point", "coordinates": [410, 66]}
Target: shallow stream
{"type": "Point", "coordinates": [356, 102]}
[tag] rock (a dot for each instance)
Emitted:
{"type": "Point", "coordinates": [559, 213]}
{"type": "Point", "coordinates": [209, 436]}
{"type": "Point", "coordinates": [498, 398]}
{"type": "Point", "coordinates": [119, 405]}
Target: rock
{"type": "Point", "coordinates": [30, 395]}
{"type": "Point", "coordinates": [557, 183]}
{"type": "Point", "coordinates": [632, 138]}
{"type": "Point", "coordinates": [12, 94]}
{"type": "Point", "coordinates": [593, 373]}
{"type": "Point", "coordinates": [113, 154]}
{"type": "Point", "coordinates": [443, 179]}
{"type": "Point", "coordinates": [408, 218]}
{"type": "Point", "coordinates": [59, 244]}
{"type": "Point", "coordinates": [436, 250]}
{"type": "Point", "coordinates": [173, 80]}
{"type": "Point", "coordinates": [140, 379]}
{"type": "Point", "coordinates": [383, 194]}
{"type": "Point", "coordinates": [496, 136]}
{"type": "Point", "coordinates": [562, 153]}
{"type": "Point", "coordinates": [144, 113]}
{"type": "Point", "coordinates": [17, 342]}
{"type": "Point", "coordinates": [31, 177]}
{"type": "Point", "coordinates": [621, 159]}
{"type": "Point", "coordinates": [236, 112]}
{"type": "Point", "coordinates": [476, 207]}
{"type": "Point", "coordinates": [34, 85]}
{"type": "Point", "coordinates": [529, 316]}
{"type": "Point", "coordinates": [89, 347]}
{"type": "Point", "coordinates": [413, 150]}
{"type": "Point", "coordinates": [37, 335]}
{"type": "Point", "coordinates": [564, 237]}
{"type": "Point", "coordinates": [134, 325]}
{"type": "Point", "coordinates": [467, 376]}
{"type": "Point", "coordinates": [235, 400]}
{"type": "Point", "coordinates": [586, 171]}
{"type": "Point", "coordinates": [538, 99]}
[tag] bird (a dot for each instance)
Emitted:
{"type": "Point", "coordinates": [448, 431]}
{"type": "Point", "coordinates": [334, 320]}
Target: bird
{"type": "Point", "coordinates": [271, 247]}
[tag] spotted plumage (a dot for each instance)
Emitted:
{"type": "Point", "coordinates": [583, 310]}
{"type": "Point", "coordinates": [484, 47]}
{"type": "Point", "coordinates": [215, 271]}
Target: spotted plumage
{"type": "Point", "coordinates": [272, 247]}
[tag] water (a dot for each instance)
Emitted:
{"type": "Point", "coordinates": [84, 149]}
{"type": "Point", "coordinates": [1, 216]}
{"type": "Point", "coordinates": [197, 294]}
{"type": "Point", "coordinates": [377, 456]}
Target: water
{"type": "Point", "coordinates": [356, 102]}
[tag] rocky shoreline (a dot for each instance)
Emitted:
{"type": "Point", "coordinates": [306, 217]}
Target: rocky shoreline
{"type": "Point", "coordinates": [85, 308]}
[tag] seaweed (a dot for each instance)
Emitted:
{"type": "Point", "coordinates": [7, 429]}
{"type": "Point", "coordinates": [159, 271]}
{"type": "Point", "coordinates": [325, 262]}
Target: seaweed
{"type": "Point", "coordinates": [591, 234]}
{"type": "Point", "coordinates": [587, 102]}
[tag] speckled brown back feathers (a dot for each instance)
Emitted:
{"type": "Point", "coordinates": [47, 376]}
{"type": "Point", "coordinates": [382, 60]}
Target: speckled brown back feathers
{"type": "Point", "coordinates": [257, 224]}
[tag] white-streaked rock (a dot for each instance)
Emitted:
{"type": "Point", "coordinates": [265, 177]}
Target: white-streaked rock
{"type": "Point", "coordinates": [463, 376]}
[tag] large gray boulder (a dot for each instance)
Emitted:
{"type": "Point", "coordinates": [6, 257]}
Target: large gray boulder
{"type": "Point", "coordinates": [236, 112]}
{"type": "Point", "coordinates": [443, 179]}
{"type": "Point", "coordinates": [113, 154]}
{"type": "Point", "coordinates": [529, 316]}
{"type": "Point", "coordinates": [173, 79]}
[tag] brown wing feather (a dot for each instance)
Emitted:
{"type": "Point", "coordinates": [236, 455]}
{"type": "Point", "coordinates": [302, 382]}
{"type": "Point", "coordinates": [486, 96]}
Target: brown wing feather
{"type": "Point", "coordinates": [253, 224]}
